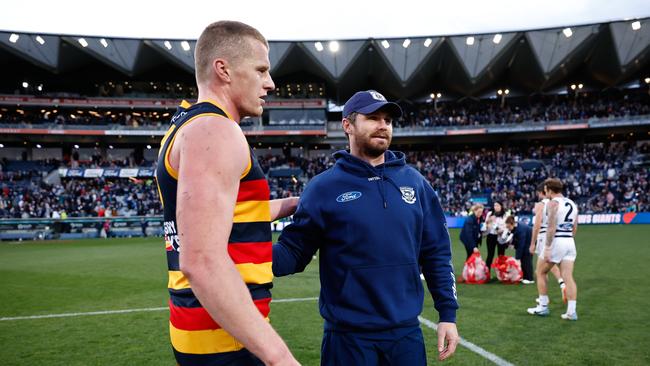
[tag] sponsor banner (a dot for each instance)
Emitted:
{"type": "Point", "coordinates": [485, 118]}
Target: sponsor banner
{"type": "Point", "coordinates": [75, 173]}
{"type": "Point", "coordinates": [473, 131]}
{"type": "Point", "coordinates": [128, 173]}
{"type": "Point", "coordinates": [93, 173]}
{"type": "Point", "coordinates": [145, 172]}
{"type": "Point", "coordinates": [111, 173]}
{"type": "Point", "coordinates": [570, 126]}
{"type": "Point", "coordinates": [90, 102]}
{"type": "Point", "coordinates": [583, 219]}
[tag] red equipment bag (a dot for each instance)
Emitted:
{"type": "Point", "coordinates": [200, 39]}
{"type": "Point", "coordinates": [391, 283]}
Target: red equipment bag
{"type": "Point", "coordinates": [507, 269]}
{"type": "Point", "coordinates": [475, 271]}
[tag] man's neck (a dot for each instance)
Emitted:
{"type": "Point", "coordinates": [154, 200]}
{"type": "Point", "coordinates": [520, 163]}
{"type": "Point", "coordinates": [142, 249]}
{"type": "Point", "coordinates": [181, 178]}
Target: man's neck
{"type": "Point", "coordinates": [374, 161]}
{"type": "Point", "coordinates": [221, 99]}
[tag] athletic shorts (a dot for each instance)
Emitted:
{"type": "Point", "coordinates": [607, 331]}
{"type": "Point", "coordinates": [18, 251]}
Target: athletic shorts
{"type": "Point", "coordinates": [563, 249]}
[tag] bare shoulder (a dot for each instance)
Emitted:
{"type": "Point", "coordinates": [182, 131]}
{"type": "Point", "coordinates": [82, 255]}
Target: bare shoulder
{"type": "Point", "coordinates": [211, 139]}
{"type": "Point", "coordinates": [552, 204]}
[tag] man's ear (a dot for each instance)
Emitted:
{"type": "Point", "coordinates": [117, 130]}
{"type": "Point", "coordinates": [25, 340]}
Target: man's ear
{"type": "Point", "coordinates": [347, 125]}
{"type": "Point", "coordinates": [221, 69]}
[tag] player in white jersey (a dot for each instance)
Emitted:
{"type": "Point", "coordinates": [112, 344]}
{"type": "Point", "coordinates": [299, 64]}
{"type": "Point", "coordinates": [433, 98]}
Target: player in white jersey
{"type": "Point", "coordinates": [539, 238]}
{"type": "Point", "coordinates": [559, 248]}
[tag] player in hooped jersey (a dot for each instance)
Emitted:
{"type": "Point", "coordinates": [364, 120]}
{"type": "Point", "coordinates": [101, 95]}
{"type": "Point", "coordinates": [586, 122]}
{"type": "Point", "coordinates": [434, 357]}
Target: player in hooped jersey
{"type": "Point", "coordinates": [538, 239]}
{"type": "Point", "coordinates": [217, 209]}
{"type": "Point", "coordinates": [559, 248]}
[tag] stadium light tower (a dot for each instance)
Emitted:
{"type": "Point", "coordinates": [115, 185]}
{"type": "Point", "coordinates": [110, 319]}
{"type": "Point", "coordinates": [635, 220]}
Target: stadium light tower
{"type": "Point", "coordinates": [334, 46]}
{"type": "Point", "coordinates": [567, 32]}
{"type": "Point", "coordinates": [636, 25]}
{"type": "Point", "coordinates": [502, 93]}
{"type": "Point", "coordinates": [434, 97]}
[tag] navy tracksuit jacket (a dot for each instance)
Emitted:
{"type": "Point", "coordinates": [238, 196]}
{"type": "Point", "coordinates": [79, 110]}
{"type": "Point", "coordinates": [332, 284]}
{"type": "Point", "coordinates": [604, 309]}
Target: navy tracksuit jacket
{"type": "Point", "coordinates": [375, 227]}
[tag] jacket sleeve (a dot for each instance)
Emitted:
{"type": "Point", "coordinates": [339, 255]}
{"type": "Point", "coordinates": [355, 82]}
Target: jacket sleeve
{"type": "Point", "coordinates": [435, 258]}
{"type": "Point", "coordinates": [299, 240]}
{"type": "Point", "coordinates": [466, 232]}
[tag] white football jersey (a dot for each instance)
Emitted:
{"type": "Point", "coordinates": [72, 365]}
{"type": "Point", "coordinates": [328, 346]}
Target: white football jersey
{"type": "Point", "coordinates": [542, 229]}
{"type": "Point", "coordinates": [567, 216]}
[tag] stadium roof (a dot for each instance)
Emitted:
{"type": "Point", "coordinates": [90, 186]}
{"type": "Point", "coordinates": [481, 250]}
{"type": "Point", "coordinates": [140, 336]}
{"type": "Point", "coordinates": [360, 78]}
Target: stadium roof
{"type": "Point", "coordinates": [596, 55]}
{"type": "Point", "coordinates": [324, 20]}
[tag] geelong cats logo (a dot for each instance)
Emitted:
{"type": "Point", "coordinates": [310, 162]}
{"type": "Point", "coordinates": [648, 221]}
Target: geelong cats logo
{"type": "Point", "coordinates": [408, 194]}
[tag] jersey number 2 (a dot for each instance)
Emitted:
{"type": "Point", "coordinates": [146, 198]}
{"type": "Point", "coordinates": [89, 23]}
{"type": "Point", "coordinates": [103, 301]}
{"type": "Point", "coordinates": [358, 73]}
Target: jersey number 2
{"type": "Point", "coordinates": [567, 218]}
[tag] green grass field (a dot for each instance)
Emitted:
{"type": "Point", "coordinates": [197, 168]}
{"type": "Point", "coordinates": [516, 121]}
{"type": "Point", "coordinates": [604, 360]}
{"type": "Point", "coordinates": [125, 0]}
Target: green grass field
{"type": "Point", "coordinates": [612, 273]}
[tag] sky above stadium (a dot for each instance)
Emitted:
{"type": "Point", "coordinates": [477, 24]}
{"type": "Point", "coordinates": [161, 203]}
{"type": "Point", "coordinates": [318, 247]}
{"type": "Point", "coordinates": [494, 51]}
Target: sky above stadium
{"type": "Point", "coordinates": [310, 20]}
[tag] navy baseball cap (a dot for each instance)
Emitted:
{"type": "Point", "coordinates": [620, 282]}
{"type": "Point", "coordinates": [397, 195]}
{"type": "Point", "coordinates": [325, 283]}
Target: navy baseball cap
{"type": "Point", "coordinates": [369, 101]}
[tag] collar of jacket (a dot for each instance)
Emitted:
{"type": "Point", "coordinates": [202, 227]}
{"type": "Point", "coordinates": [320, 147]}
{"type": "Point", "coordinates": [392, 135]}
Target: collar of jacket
{"type": "Point", "coordinates": [354, 165]}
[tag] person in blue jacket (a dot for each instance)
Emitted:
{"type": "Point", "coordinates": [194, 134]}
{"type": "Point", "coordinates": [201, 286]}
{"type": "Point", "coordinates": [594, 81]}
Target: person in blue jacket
{"type": "Point", "coordinates": [470, 234]}
{"type": "Point", "coordinates": [376, 222]}
{"type": "Point", "coordinates": [521, 235]}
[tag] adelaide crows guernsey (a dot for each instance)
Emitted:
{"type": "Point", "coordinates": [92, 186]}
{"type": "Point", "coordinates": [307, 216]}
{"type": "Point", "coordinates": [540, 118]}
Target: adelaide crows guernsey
{"type": "Point", "coordinates": [192, 329]}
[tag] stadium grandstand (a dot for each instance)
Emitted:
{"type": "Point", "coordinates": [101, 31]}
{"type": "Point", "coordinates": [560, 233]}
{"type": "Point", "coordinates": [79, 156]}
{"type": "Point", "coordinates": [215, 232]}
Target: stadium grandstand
{"type": "Point", "coordinates": [487, 116]}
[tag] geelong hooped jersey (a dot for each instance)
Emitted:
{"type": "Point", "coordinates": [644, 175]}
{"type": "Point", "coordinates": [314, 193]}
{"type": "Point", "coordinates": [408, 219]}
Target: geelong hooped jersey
{"type": "Point", "coordinates": [544, 226]}
{"type": "Point", "coordinates": [567, 216]}
{"type": "Point", "coordinates": [192, 330]}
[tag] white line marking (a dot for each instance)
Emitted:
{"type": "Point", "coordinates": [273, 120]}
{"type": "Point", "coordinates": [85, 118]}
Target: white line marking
{"type": "Point", "coordinates": [108, 312]}
{"type": "Point", "coordinates": [296, 299]}
{"type": "Point", "coordinates": [471, 346]}
{"type": "Point", "coordinates": [64, 315]}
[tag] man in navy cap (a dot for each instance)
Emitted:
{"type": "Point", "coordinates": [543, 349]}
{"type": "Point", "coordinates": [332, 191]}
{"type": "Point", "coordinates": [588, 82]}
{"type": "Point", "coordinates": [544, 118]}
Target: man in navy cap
{"type": "Point", "coordinates": [376, 222]}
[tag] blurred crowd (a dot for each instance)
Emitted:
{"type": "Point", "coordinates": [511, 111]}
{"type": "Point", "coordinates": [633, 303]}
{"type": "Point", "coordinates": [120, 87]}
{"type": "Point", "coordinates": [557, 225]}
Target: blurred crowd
{"type": "Point", "coordinates": [448, 113]}
{"type": "Point", "coordinates": [596, 181]}
{"type": "Point", "coordinates": [518, 110]}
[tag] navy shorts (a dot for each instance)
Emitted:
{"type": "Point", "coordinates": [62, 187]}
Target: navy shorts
{"type": "Point", "coordinates": [402, 346]}
{"type": "Point", "coordinates": [239, 358]}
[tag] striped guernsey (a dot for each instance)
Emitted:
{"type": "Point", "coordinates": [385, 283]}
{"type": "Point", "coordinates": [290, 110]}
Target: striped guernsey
{"type": "Point", "coordinates": [194, 334]}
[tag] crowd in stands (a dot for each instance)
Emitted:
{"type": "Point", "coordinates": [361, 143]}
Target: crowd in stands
{"type": "Point", "coordinates": [518, 110]}
{"type": "Point", "coordinates": [458, 113]}
{"type": "Point", "coordinates": [597, 182]}
{"type": "Point", "coordinates": [25, 195]}
{"type": "Point", "coordinates": [33, 117]}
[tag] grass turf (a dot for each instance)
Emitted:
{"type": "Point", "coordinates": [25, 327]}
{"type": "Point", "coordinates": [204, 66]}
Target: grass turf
{"type": "Point", "coordinates": [96, 275]}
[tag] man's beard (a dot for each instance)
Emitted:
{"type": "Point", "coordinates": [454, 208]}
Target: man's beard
{"type": "Point", "coordinates": [367, 147]}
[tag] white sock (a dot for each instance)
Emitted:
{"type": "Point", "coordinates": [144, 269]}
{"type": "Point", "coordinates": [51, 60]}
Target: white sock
{"type": "Point", "coordinates": [571, 307]}
{"type": "Point", "coordinates": [543, 300]}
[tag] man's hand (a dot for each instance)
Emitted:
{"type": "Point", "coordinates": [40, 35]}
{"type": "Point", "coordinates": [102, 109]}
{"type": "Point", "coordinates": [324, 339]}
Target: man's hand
{"type": "Point", "coordinates": [447, 340]}
{"type": "Point", "coordinates": [531, 249]}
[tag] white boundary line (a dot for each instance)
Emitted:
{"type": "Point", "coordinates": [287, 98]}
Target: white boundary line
{"type": "Point", "coordinates": [469, 345]}
{"type": "Point", "coordinates": [108, 312]}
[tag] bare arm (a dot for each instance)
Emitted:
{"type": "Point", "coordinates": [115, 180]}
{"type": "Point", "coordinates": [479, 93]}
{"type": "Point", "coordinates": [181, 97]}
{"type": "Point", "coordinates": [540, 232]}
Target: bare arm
{"type": "Point", "coordinates": [537, 224]}
{"type": "Point", "coordinates": [211, 154]}
{"type": "Point", "coordinates": [575, 224]}
{"type": "Point", "coordinates": [552, 223]}
{"type": "Point", "coordinates": [283, 207]}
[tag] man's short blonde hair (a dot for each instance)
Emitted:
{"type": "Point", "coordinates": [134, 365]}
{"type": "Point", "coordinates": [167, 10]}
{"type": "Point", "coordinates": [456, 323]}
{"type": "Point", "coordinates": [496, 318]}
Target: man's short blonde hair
{"type": "Point", "coordinates": [223, 39]}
